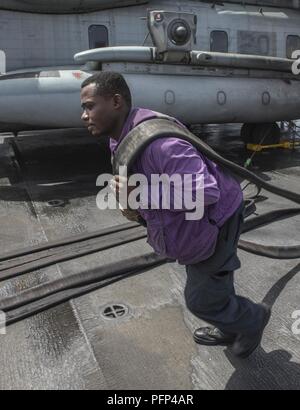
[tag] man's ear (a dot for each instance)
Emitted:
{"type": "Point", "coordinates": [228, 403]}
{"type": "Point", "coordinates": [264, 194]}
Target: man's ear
{"type": "Point", "coordinates": [118, 101]}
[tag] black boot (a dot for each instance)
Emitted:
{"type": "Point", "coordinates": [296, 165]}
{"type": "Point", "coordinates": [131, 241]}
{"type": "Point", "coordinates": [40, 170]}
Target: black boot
{"type": "Point", "coordinates": [212, 336]}
{"type": "Point", "coordinates": [245, 345]}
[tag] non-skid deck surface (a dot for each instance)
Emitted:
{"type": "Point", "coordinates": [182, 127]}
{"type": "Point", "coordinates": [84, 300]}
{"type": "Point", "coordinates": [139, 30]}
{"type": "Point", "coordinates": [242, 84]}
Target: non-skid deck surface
{"type": "Point", "coordinates": [149, 347]}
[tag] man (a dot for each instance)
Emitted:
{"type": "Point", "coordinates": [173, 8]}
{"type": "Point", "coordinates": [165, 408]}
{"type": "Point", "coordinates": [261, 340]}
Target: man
{"type": "Point", "coordinates": [207, 247]}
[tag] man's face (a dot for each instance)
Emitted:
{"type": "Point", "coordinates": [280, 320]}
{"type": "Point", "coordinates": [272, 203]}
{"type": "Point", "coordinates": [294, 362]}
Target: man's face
{"type": "Point", "coordinates": [100, 114]}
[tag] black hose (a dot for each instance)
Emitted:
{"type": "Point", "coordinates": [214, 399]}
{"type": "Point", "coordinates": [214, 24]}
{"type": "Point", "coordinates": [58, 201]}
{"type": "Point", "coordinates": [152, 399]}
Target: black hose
{"type": "Point", "coordinates": [66, 241]}
{"type": "Point", "coordinates": [245, 173]}
{"type": "Point", "coordinates": [60, 290]}
{"type": "Point", "coordinates": [274, 252]}
{"type": "Point", "coordinates": [50, 294]}
{"type": "Point", "coordinates": [141, 136]}
{"type": "Point", "coordinates": [145, 133]}
{"type": "Point", "coordinates": [96, 245]}
{"type": "Point", "coordinates": [136, 233]}
{"type": "Point", "coordinates": [41, 305]}
{"type": "Point", "coordinates": [80, 279]}
{"type": "Point", "coordinates": [250, 207]}
{"type": "Point", "coordinates": [268, 218]}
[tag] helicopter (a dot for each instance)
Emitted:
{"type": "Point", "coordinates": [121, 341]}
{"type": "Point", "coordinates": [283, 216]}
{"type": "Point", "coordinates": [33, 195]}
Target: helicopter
{"type": "Point", "coordinates": [200, 61]}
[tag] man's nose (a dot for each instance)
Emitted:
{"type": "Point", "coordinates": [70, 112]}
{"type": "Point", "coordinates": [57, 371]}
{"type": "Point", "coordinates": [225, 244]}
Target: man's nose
{"type": "Point", "coordinates": [85, 116]}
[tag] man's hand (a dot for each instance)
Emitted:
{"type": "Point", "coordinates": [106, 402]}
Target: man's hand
{"type": "Point", "coordinates": [121, 189]}
{"type": "Point", "coordinates": [119, 184]}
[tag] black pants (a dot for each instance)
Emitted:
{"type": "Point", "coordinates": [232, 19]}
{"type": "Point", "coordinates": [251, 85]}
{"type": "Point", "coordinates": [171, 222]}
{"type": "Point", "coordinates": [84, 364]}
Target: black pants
{"type": "Point", "coordinates": [209, 291]}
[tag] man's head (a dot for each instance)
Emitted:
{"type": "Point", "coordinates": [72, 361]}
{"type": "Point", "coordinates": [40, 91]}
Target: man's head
{"type": "Point", "coordinates": [106, 102]}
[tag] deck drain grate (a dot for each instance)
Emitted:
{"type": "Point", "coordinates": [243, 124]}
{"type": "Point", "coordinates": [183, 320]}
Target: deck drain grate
{"type": "Point", "coordinates": [114, 311]}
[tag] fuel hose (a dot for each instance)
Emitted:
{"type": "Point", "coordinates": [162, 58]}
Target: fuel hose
{"type": "Point", "coordinates": [42, 297]}
{"type": "Point", "coordinates": [48, 295]}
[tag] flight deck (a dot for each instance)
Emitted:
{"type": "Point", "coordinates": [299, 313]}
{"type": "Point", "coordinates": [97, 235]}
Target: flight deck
{"type": "Point", "coordinates": [137, 333]}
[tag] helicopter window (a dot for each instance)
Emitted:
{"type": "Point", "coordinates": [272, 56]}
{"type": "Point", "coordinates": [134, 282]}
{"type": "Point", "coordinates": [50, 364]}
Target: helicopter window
{"type": "Point", "coordinates": [292, 44]}
{"type": "Point", "coordinates": [250, 42]}
{"type": "Point", "coordinates": [98, 36]}
{"type": "Point", "coordinates": [219, 41]}
{"type": "Point", "coordinates": [263, 44]}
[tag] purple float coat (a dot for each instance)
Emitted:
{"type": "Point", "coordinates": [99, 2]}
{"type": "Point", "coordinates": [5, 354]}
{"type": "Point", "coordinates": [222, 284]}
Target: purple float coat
{"type": "Point", "coordinates": [169, 232]}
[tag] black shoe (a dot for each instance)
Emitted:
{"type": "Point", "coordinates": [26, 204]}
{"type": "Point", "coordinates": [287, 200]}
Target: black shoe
{"type": "Point", "coordinates": [212, 336]}
{"type": "Point", "coordinates": [244, 346]}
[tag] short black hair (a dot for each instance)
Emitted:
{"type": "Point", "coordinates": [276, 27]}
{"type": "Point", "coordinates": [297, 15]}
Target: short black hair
{"type": "Point", "coordinates": [108, 84]}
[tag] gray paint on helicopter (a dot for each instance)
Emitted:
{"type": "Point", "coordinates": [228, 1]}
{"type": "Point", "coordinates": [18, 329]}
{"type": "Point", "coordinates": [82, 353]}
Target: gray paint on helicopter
{"type": "Point", "coordinates": [31, 40]}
